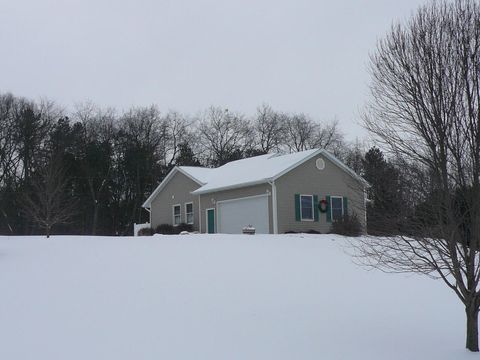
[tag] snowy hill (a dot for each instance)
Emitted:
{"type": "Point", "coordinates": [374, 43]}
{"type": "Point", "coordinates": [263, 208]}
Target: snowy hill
{"type": "Point", "coordinates": [215, 297]}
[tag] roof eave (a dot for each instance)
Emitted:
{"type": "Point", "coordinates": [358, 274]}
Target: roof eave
{"type": "Point", "coordinates": [293, 166]}
{"type": "Point", "coordinates": [231, 187]}
{"type": "Point", "coordinates": [164, 182]}
{"type": "Point", "coordinates": [333, 159]}
{"type": "Point", "coordinates": [345, 168]}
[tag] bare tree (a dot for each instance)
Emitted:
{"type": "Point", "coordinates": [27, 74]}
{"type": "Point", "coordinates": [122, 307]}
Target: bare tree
{"type": "Point", "coordinates": [46, 203]}
{"type": "Point", "coordinates": [96, 151]}
{"type": "Point", "coordinates": [142, 150]}
{"type": "Point", "coordinates": [303, 133]}
{"type": "Point", "coordinates": [225, 135]}
{"type": "Point", "coordinates": [425, 108]}
{"type": "Point", "coordinates": [8, 155]}
{"type": "Point", "coordinates": [176, 130]}
{"type": "Point", "coordinates": [269, 128]}
{"type": "Point", "coordinates": [299, 130]}
{"type": "Point", "coordinates": [327, 136]}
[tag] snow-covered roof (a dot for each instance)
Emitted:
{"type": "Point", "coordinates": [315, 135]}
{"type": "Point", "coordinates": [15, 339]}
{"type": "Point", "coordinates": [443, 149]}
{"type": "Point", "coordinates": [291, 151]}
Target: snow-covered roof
{"type": "Point", "coordinates": [262, 169]}
{"type": "Point", "coordinates": [197, 173]}
{"type": "Point", "coordinates": [250, 171]}
{"type": "Point", "coordinates": [200, 175]}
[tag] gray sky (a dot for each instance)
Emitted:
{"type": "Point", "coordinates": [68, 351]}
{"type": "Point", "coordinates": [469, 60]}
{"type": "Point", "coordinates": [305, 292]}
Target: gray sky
{"type": "Point", "coordinates": [302, 56]}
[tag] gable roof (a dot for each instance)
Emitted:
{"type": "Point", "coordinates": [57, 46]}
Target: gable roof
{"type": "Point", "coordinates": [200, 175]}
{"type": "Point", "coordinates": [251, 171]}
{"type": "Point", "coordinates": [264, 168]}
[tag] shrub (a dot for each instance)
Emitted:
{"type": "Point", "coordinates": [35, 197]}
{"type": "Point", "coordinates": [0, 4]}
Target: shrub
{"type": "Point", "coordinates": [347, 225]}
{"type": "Point", "coordinates": [165, 229]}
{"type": "Point", "coordinates": [145, 232]}
{"type": "Point", "coordinates": [183, 227]}
{"type": "Point", "coordinates": [311, 231]}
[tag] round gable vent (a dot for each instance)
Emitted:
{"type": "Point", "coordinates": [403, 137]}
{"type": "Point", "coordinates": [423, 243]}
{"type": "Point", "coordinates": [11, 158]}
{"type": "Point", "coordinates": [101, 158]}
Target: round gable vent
{"type": "Point", "coordinates": [320, 164]}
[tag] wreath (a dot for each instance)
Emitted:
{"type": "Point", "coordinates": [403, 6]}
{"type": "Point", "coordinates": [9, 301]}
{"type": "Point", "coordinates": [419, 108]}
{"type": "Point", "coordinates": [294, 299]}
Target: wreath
{"type": "Point", "coordinates": [323, 205]}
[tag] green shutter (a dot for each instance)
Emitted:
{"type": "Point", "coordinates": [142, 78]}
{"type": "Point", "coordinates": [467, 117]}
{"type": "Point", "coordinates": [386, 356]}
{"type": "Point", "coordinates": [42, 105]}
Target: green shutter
{"type": "Point", "coordinates": [345, 206]}
{"type": "Point", "coordinates": [315, 207]}
{"type": "Point", "coordinates": [329, 209]}
{"type": "Point", "coordinates": [297, 207]}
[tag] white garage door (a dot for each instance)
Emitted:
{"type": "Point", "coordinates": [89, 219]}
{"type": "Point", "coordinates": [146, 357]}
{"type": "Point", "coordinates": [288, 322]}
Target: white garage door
{"type": "Point", "coordinates": [234, 215]}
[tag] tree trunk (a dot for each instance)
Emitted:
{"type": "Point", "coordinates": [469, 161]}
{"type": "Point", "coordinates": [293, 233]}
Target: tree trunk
{"type": "Point", "coordinates": [95, 218]}
{"type": "Point", "coordinates": [472, 329]}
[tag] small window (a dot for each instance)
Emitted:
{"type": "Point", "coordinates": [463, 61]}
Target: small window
{"type": "Point", "coordinates": [177, 217]}
{"type": "Point", "coordinates": [189, 213]}
{"type": "Point", "coordinates": [337, 207]}
{"type": "Point", "coordinates": [306, 207]}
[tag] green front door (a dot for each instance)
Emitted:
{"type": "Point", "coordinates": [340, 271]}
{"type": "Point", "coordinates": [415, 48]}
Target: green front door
{"type": "Point", "coordinates": [210, 221]}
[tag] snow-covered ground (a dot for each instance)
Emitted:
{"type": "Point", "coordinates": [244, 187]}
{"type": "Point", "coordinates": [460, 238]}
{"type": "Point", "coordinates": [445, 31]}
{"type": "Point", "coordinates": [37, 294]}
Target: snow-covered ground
{"type": "Point", "coordinates": [215, 297]}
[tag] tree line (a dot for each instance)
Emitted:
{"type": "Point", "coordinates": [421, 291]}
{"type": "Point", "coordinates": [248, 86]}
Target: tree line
{"type": "Point", "coordinates": [88, 171]}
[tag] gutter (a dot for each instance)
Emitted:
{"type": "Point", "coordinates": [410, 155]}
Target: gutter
{"type": "Point", "coordinates": [236, 186]}
{"type": "Point", "coordinates": [274, 206]}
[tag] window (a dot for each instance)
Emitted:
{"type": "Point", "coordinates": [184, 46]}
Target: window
{"type": "Point", "coordinates": [337, 207]}
{"type": "Point", "coordinates": [306, 207]}
{"type": "Point", "coordinates": [177, 217]}
{"type": "Point", "coordinates": [189, 213]}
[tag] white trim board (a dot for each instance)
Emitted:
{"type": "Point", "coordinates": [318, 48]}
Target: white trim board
{"type": "Point", "coordinates": [242, 198]}
{"type": "Point", "coordinates": [331, 207]}
{"type": "Point", "coordinates": [165, 181]}
{"type": "Point", "coordinates": [173, 214]}
{"type": "Point", "coordinates": [186, 215]}
{"type": "Point", "coordinates": [313, 210]}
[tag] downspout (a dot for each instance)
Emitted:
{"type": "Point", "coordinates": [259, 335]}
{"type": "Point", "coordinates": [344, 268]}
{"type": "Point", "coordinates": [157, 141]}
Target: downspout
{"type": "Point", "coordinates": [274, 206]}
{"type": "Point", "coordinates": [199, 215]}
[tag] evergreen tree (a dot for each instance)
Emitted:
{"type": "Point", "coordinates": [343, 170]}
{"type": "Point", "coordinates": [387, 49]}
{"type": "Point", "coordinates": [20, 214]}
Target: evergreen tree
{"type": "Point", "coordinates": [384, 209]}
{"type": "Point", "coordinates": [186, 156]}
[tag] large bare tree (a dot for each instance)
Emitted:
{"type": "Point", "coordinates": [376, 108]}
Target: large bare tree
{"type": "Point", "coordinates": [302, 133]}
{"type": "Point", "coordinates": [225, 135]}
{"type": "Point", "coordinates": [425, 109]}
{"type": "Point", "coordinates": [96, 147]}
{"type": "Point", "coordinates": [46, 202]}
{"type": "Point", "coordinates": [269, 129]}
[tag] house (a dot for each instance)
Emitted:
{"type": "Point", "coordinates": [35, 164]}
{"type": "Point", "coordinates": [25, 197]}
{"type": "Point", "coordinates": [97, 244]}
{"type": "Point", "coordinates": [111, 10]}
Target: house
{"type": "Point", "coordinates": [274, 193]}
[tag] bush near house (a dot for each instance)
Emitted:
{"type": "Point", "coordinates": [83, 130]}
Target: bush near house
{"type": "Point", "coordinates": [347, 225]}
{"type": "Point", "coordinates": [145, 232]}
{"type": "Point", "coordinates": [183, 227]}
{"type": "Point", "coordinates": [311, 231]}
{"type": "Point", "coordinates": [167, 229]}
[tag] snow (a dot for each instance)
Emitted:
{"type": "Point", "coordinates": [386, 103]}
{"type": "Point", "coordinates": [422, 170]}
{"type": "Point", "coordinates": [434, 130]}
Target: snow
{"type": "Point", "coordinates": [216, 297]}
{"type": "Point", "coordinates": [252, 170]}
{"type": "Point", "coordinates": [201, 174]}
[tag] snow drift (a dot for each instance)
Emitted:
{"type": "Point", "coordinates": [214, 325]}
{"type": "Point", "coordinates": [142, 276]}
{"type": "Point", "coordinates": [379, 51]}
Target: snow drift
{"type": "Point", "coordinates": [215, 297]}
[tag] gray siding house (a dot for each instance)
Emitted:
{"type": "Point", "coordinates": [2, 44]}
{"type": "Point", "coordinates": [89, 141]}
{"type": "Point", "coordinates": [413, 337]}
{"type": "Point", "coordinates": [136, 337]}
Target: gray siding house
{"type": "Point", "coordinates": [274, 193]}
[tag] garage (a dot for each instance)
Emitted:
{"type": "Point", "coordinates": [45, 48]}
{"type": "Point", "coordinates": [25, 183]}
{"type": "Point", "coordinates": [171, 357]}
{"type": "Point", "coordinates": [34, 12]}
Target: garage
{"type": "Point", "coordinates": [234, 215]}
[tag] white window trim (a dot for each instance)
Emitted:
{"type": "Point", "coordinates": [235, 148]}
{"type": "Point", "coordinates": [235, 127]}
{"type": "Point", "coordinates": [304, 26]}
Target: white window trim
{"type": "Point", "coordinates": [301, 212]}
{"type": "Point", "coordinates": [331, 205]}
{"type": "Point", "coordinates": [173, 214]}
{"type": "Point", "coordinates": [186, 214]}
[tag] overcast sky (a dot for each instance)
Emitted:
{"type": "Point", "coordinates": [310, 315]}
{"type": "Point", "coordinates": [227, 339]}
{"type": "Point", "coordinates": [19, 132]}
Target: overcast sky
{"type": "Point", "coordinates": [298, 56]}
